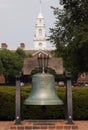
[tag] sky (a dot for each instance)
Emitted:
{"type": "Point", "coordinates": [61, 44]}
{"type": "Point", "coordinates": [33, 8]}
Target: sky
{"type": "Point", "coordinates": [18, 19]}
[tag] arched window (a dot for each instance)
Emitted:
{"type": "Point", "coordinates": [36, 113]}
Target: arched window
{"type": "Point", "coordinates": [40, 32]}
{"type": "Point", "coordinates": [40, 21]}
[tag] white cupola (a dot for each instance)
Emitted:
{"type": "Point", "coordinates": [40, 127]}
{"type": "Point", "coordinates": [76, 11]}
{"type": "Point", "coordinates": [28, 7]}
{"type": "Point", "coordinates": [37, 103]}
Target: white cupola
{"type": "Point", "coordinates": [40, 35]}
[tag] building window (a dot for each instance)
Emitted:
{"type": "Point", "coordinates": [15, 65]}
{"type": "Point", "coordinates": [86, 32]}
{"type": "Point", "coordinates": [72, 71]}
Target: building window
{"type": "Point", "coordinates": [40, 44]}
{"type": "Point", "coordinates": [83, 75]}
{"type": "Point", "coordinates": [40, 21]}
{"type": "Point", "coordinates": [40, 32]}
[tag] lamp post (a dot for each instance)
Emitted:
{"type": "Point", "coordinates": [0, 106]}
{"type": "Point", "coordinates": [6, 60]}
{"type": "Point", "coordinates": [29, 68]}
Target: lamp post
{"type": "Point", "coordinates": [43, 63]}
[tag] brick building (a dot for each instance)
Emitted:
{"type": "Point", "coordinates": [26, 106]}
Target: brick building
{"type": "Point", "coordinates": [83, 78]}
{"type": "Point", "coordinates": [2, 79]}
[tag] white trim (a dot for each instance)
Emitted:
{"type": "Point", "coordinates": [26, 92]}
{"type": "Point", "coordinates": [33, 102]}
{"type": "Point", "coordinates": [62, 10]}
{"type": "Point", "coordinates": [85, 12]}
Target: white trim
{"type": "Point", "coordinates": [41, 51]}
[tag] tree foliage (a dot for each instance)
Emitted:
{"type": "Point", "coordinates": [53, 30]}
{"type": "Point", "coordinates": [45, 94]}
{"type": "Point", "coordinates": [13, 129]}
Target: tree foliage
{"type": "Point", "coordinates": [11, 63]}
{"type": "Point", "coordinates": [70, 35]}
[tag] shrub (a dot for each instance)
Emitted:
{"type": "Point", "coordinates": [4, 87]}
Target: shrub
{"type": "Point", "coordinates": [7, 105]}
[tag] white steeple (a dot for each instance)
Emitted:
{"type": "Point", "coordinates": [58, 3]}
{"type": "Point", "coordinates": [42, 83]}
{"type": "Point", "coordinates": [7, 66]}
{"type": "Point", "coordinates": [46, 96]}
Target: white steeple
{"type": "Point", "coordinates": [40, 36]}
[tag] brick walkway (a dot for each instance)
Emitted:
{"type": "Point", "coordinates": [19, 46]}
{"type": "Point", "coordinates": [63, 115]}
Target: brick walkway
{"type": "Point", "coordinates": [43, 125]}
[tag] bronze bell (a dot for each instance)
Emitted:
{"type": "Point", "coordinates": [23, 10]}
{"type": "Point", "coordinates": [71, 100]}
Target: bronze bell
{"type": "Point", "coordinates": [43, 91]}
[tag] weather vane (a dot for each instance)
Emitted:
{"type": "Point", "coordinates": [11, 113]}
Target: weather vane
{"type": "Point", "coordinates": [40, 5]}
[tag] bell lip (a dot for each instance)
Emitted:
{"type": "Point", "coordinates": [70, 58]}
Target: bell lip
{"type": "Point", "coordinates": [43, 74]}
{"type": "Point", "coordinates": [43, 103]}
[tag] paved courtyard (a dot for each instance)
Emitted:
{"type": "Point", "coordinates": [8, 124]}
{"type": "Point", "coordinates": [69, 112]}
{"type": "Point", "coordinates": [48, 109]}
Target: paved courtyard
{"type": "Point", "coordinates": [55, 125]}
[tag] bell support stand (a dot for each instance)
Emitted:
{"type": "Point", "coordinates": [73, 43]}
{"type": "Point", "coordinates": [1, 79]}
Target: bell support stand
{"type": "Point", "coordinates": [69, 111]}
{"type": "Point", "coordinates": [18, 101]}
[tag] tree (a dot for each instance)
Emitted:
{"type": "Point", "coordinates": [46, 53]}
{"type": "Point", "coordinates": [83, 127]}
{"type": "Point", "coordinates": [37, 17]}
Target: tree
{"type": "Point", "coordinates": [1, 67]}
{"type": "Point", "coordinates": [21, 53]}
{"type": "Point", "coordinates": [11, 64]}
{"type": "Point", "coordinates": [70, 35]}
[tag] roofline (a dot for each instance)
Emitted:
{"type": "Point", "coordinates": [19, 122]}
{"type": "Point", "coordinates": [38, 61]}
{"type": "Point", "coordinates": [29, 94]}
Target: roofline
{"type": "Point", "coordinates": [42, 52]}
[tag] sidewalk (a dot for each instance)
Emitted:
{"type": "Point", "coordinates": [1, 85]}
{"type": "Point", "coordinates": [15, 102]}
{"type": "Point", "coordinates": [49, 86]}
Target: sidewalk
{"type": "Point", "coordinates": [43, 125]}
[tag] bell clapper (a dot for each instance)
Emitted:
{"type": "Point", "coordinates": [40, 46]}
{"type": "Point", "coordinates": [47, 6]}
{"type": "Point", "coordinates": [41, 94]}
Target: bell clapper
{"type": "Point", "coordinates": [43, 108]}
{"type": "Point", "coordinates": [43, 111]}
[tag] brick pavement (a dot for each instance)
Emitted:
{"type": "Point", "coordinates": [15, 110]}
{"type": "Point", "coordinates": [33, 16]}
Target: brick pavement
{"type": "Point", "coordinates": [43, 125]}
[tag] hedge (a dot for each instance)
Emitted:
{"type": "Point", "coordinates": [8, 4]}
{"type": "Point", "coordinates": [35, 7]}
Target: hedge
{"type": "Point", "coordinates": [7, 104]}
